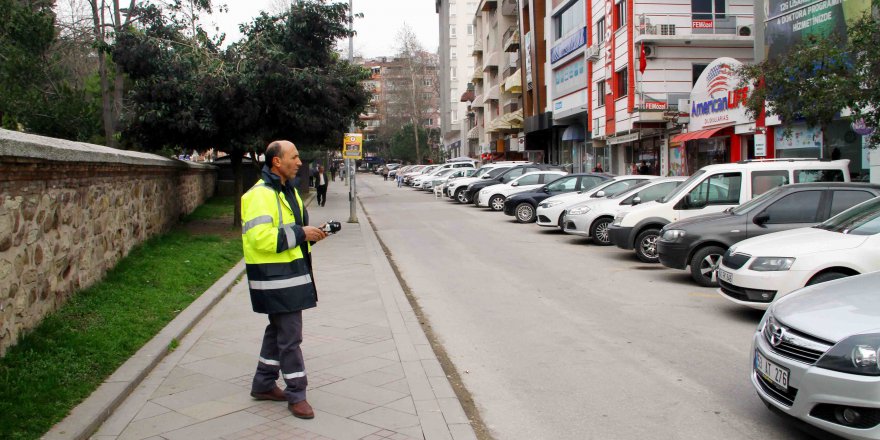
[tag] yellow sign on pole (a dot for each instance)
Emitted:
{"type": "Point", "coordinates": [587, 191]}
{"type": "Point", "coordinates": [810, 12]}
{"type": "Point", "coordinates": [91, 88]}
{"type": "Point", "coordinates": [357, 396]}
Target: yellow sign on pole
{"type": "Point", "coordinates": [352, 146]}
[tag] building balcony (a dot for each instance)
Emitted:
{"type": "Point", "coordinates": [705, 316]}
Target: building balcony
{"type": "Point", "coordinates": [509, 7]}
{"type": "Point", "coordinates": [490, 61]}
{"type": "Point", "coordinates": [478, 47]}
{"type": "Point", "coordinates": [487, 5]}
{"type": "Point", "coordinates": [493, 94]}
{"type": "Point", "coordinates": [729, 30]}
{"type": "Point", "coordinates": [478, 101]}
{"type": "Point", "coordinates": [478, 74]}
{"type": "Point", "coordinates": [511, 39]}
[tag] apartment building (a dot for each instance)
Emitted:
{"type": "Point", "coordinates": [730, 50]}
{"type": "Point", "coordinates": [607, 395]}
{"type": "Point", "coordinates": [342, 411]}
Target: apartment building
{"type": "Point", "coordinates": [456, 64]}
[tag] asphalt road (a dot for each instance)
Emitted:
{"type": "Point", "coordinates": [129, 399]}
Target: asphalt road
{"type": "Point", "coordinates": [558, 339]}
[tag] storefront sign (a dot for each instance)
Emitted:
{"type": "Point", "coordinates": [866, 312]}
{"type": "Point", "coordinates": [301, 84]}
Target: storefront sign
{"type": "Point", "coordinates": [568, 45]}
{"type": "Point", "coordinates": [717, 98]}
{"type": "Point", "coordinates": [571, 104]}
{"type": "Point", "coordinates": [760, 145]}
{"type": "Point", "coordinates": [570, 77]}
{"type": "Point", "coordinates": [528, 54]}
{"type": "Point", "coordinates": [655, 105]}
{"type": "Point", "coordinates": [622, 139]}
{"type": "Point", "coordinates": [702, 24]}
{"type": "Point", "coordinates": [789, 22]}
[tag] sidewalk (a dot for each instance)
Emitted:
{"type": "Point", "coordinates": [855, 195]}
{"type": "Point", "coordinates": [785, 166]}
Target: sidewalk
{"type": "Point", "coordinates": [372, 373]}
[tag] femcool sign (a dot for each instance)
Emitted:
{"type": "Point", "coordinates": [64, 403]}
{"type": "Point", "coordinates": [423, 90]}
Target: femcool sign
{"type": "Point", "coordinates": [717, 99]}
{"type": "Point", "coordinates": [568, 45]}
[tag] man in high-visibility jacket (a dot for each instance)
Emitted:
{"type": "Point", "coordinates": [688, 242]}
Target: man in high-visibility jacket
{"type": "Point", "coordinates": [277, 244]}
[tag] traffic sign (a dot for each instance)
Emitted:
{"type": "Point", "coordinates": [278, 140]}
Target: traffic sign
{"type": "Point", "coordinates": [352, 146]}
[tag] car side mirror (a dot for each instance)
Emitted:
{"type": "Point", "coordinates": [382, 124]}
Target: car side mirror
{"type": "Point", "coordinates": [636, 201]}
{"type": "Point", "coordinates": [599, 194]}
{"type": "Point", "coordinates": [546, 190]}
{"type": "Point", "coordinates": [761, 218]}
{"type": "Point", "coordinates": [514, 184]}
{"type": "Point", "coordinates": [500, 179]}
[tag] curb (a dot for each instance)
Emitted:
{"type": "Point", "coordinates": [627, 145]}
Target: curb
{"type": "Point", "coordinates": [85, 419]}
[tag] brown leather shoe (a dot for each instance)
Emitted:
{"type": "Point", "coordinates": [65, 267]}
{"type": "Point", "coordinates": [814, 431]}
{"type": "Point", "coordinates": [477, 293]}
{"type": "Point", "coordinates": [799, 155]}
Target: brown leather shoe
{"type": "Point", "coordinates": [275, 394]}
{"type": "Point", "coordinates": [301, 410]}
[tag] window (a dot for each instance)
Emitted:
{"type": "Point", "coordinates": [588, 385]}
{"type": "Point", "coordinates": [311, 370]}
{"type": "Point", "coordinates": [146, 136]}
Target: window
{"type": "Point", "coordinates": [455, 116]}
{"type": "Point", "coordinates": [622, 82]}
{"type": "Point", "coordinates": [804, 176]}
{"type": "Point", "coordinates": [718, 189]}
{"type": "Point", "coordinates": [707, 9]}
{"type": "Point", "coordinates": [800, 207]}
{"type": "Point", "coordinates": [763, 181]}
{"type": "Point", "coordinates": [843, 200]}
{"type": "Point", "coordinates": [589, 182]}
{"type": "Point", "coordinates": [452, 72]}
{"type": "Point", "coordinates": [470, 29]}
{"type": "Point", "coordinates": [618, 187]}
{"type": "Point", "coordinates": [696, 71]}
{"type": "Point", "coordinates": [565, 184]}
{"type": "Point", "coordinates": [600, 92]}
{"type": "Point", "coordinates": [621, 14]}
{"type": "Point", "coordinates": [600, 31]}
{"type": "Point", "coordinates": [513, 174]}
{"type": "Point", "coordinates": [570, 19]}
{"type": "Point", "coordinates": [427, 82]}
{"type": "Point", "coordinates": [452, 31]}
{"type": "Point", "coordinates": [533, 179]}
{"type": "Point", "coordinates": [861, 220]}
{"type": "Point", "coordinates": [652, 193]}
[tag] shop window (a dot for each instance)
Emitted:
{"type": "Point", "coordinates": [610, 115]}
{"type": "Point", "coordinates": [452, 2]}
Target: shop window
{"type": "Point", "coordinates": [622, 82]}
{"type": "Point", "coordinates": [600, 92]}
{"type": "Point", "coordinates": [763, 181]}
{"type": "Point", "coordinates": [708, 9]}
{"type": "Point", "coordinates": [806, 176]}
{"type": "Point", "coordinates": [718, 189]}
{"type": "Point", "coordinates": [800, 207]}
{"type": "Point", "coordinates": [621, 14]}
{"type": "Point", "coordinates": [843, 200]}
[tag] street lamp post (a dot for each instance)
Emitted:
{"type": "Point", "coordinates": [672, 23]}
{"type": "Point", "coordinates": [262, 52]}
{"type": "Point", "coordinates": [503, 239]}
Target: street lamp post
{"type": "Point", "coordinates": [352, 189]}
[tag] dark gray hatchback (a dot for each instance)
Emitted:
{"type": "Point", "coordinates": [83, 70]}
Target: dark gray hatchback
{"type": "Point", "coordinates": [699, 242]}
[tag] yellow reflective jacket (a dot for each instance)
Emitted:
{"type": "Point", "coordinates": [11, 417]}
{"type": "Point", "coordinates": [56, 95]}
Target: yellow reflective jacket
{"type": "Point", "coordinates": [276, 252]}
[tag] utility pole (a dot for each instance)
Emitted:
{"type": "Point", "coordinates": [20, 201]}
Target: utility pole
{"type": "Point", "coordinates": [352, 190]}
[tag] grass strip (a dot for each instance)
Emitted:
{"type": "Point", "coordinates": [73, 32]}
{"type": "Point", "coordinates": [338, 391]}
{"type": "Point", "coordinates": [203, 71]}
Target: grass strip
{"type": "Point", "coordinates": [61, 362]}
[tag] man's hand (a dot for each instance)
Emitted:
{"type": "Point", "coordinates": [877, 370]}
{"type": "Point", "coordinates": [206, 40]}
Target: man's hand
{"type": "Point", "coordinates": [314, 234]}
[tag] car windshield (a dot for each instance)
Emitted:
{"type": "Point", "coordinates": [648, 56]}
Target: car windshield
{"type": "Point", "coordinates": [862, 219]}
{"type": "Point", "coordinates": [757, 201]}
{"type": "Point", "coordinates": [682, 186]}
{"type": "Point", "coordinates": [445, 172]}
{"type": "Point", "coordinates": [629, 190]}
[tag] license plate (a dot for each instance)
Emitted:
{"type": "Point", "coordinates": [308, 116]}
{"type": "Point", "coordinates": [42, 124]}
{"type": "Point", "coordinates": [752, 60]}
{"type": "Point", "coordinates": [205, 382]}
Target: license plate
{"type": "Point", "coordinates": [772, 372]}
{"type": "Point", "coordinates": [725, 276]}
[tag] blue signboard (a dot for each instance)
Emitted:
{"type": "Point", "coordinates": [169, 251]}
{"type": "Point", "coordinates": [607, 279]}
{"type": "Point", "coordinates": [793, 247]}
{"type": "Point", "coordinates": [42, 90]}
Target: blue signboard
{"type": "Point", "coordinates": [568, 45]}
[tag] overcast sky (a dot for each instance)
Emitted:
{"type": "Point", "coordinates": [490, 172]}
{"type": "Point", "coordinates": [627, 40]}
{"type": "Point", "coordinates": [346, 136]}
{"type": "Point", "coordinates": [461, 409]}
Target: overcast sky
{"type": "Point", "coordinates": [376, 32]}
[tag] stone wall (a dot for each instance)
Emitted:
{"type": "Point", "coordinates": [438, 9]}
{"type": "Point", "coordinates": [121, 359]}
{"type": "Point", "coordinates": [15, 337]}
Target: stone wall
{"type": "Point", "coordinates": [70, 211]}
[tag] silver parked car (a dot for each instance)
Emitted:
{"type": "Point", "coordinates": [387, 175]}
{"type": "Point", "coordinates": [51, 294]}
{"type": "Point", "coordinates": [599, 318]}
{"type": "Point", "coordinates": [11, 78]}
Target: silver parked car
{"type": "Point", "coordinates": [815, 356]}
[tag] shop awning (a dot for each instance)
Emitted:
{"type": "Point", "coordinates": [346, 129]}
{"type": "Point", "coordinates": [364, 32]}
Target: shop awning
{"type": "Point", "coordinates": [513, 83]}
{"type": "Point", "coordinates": [474, 133]}
{"type": "Point", "coordinates": [699, 134]}
{"type": "Point", "coordinates": [574, 132]}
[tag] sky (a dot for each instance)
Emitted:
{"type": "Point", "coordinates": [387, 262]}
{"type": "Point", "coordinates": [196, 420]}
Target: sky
{"type": "Point", "coordinates": [376, 31]}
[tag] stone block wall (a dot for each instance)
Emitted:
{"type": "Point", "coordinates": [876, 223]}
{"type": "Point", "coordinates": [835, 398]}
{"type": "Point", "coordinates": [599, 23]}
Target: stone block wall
{"type": "Point", "coordinates": [70, 211]}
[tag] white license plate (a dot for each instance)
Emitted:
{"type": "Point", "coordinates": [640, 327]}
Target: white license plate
{"type": "Point", "coordinates": [772, 372]}
{"type": "Point", "coordinates": [725, 276]}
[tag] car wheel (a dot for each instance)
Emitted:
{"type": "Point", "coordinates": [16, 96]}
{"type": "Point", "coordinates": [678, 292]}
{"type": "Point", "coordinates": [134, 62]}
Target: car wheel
{"type": "Point", "coordinates": [599, 231]}
{"type": "Point", "coordinates": [646, 245]}
{"type": "Point", "coordinates": [704, 263]}
{"type": "Point", "coordinates": [496, 203]}
{"type": "Point", "coordinates": [827, 276]}
{"type": "Point", "coordinates": [525, 213]}
{"type": "Point", "coordinates": [461, 196]}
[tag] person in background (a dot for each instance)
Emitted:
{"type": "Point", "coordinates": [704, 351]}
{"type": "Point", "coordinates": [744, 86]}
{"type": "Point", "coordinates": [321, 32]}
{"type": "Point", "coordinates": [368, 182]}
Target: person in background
{"type": "Point", "coordinates": [598, 168]}
{"type": "Point", "coordinates": [644, 168]}
{"type": "Point", "coordinates": [321, 185]}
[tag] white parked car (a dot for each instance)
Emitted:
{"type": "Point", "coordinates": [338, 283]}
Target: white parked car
{"type": "Point", "coordinates": [460, 173]}
{"type": "Point", "coordinates": [815, 357]}
{"type": "Point", "coordinates": [759, 270]}
{"type": "Point", "coordinates": [551, 210]}
{"type": "Point", "coordinates": [592, 218]}
{"type": "Point", "coordinates": [494, 196]}
{"type": "Point", "coordinates": [419, 181]}
{"type": "Point", "coordinates": [456, 190]}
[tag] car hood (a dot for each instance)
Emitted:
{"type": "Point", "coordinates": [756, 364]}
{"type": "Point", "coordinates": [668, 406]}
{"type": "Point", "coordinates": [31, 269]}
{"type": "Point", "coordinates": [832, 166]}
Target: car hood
{"type": "Point", "coordinates": [833, 310]}
{"type": "Point", "coordinates": [597, 203]}
{"type": "Point", "coordinates": [797, 242]}
{"type": "Point", "coordinates": [701, 220]}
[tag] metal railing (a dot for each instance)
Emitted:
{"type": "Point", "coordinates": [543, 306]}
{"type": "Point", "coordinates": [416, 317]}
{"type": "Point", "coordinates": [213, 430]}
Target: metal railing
{"type": "Point", "coordinates": [690, 24]}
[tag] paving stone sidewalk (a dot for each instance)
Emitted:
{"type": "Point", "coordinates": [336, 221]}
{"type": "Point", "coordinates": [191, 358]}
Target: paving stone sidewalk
{"type": "Point", "coordinates": [372, 373]}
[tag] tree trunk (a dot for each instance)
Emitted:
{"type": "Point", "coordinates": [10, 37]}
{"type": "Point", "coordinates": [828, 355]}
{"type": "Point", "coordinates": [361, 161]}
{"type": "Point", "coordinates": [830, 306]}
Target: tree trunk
{"type": "Point", "coordinates": [106, 98]}
{"type": "Point", "coordinates": [235, 157]}
{"type": "Point", "coordinates": [416, 135]}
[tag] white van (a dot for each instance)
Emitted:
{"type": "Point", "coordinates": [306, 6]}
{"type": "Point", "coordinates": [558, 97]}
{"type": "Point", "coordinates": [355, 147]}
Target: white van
{"type": "Point", "coordinates": [712, 189]}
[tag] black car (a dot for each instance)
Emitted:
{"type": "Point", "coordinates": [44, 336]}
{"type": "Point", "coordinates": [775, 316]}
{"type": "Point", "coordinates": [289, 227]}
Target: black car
{"type": "Point", "coordinates": [523, 205]}
{"type": "Point", "coordinates": [505, 177]}
{"type": "Point", "coordinates": [699, 242]}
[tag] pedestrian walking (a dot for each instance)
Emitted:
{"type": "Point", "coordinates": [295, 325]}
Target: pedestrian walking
{"type": "Point", "coordinates": [333, 172]}
{"type": "Point", "coordinates": [321, 180]}
{"type": "Point", "coordinates": [277, 242]}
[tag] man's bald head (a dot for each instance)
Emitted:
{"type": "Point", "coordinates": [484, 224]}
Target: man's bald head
{"type": "Point", "coordinates": [283, 159]}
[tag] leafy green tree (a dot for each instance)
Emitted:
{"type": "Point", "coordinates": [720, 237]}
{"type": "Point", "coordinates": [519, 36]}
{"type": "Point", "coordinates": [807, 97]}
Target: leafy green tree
{"type": "Point", "coordinates": [820, 77]}
{"type": "Point", "coordinates": [39, 94]}
{"type": "Point", "coordinates": [404, 144]}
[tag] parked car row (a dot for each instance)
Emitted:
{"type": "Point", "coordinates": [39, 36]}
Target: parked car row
{"type": "Point", "coordinates": [794, 237]}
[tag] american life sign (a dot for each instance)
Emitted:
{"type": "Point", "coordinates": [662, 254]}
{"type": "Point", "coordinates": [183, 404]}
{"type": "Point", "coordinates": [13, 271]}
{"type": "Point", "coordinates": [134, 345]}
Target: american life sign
{"type": "Point", "coordinates": [717, 99]}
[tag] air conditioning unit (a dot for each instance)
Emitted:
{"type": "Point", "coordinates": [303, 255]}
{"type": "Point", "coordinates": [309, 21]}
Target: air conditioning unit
{"type": "Point", "coordinates": [744, 31]}
{"type": "Point", "coordinates": [593, 52]}
{"type": "Point", "coordinates": [650, 51]}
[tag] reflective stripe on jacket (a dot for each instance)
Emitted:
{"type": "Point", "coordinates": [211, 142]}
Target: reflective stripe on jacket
{"type": "Point", "coordinates": [279, 273]}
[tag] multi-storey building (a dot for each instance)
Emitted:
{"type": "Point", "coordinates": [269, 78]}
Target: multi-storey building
{"type": "Point", "coordinates": [456, 64]}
